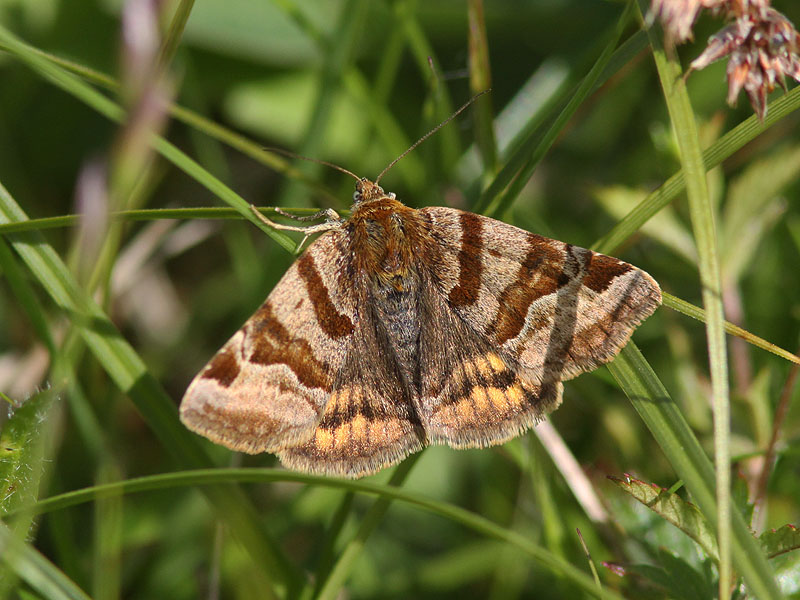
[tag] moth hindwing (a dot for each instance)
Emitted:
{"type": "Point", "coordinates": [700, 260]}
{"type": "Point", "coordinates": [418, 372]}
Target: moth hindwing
{"type": "Point", "coordinates": [399, 328]}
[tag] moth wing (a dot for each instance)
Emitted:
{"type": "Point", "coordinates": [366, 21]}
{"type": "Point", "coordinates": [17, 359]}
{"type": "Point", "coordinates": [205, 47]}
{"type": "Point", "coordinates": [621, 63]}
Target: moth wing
{"type": "Point", "coordinates": [370, 421]}
{"type": "Point", "coordinates": [267, 386]}
{"type": "Point", "coordinates": [470, 396]}
{"type": "Point", "coordinates": [553, 309]}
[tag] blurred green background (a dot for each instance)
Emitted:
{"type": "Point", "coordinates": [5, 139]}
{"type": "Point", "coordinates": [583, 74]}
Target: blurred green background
{"type": "Point", "coordinates": [350, 82]}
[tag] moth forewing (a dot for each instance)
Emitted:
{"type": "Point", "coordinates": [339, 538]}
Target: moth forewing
{"type": "Point", "coordinates": [267, 387]}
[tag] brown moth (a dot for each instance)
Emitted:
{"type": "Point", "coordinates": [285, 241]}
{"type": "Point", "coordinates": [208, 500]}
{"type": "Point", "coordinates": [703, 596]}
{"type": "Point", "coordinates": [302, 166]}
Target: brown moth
{"type": "Point", "coordinates": [398, 328]}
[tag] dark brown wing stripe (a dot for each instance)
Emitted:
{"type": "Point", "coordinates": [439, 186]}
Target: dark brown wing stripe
{"type": "Point", "coordinates": [540, 274]}
{"type": "Point", "coordinates": [602, 270]}
{"type": "Point", "coordinates": [273, 344]}
{"type": "Point", "coordinates": [224, 368]}
{"type": "Point", "coordinates": [333, 323]}
{"type": "Point", "coordinates": [470, 266]}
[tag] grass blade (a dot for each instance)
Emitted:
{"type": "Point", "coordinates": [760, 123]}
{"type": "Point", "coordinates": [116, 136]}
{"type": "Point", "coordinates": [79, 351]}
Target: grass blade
{"type": "Point", "coordinates": [211, 477]}
{"type": "Point", "coordinates": [129, 373]}
{"type": "Point", "coordinates": [480, 79]}
{"type": "Point", "coordinates": [174, 34]}
{"type": "Point", "coordinates": [723, 148]}
{"type": "Point", "coordinates": [36, 570]}
{"type": "Point", "coordinates": [330, 587]}
{"type": "Point", "coordinates": [491, 202]}
{"type": "Point", "coordinates": [690, 310]}
{"type": "Point", "coordinates": [673, 434]}
{"type": "Point", "coordinates": [85, 93]}
{"type": "Point", "coordinates": [705, 234]}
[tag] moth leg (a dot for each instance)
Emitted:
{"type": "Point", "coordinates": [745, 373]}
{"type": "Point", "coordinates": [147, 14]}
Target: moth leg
{"type": "Point", "coordinates": [328, 213]}
{"type": "Point", "coordinates": [333, 221]}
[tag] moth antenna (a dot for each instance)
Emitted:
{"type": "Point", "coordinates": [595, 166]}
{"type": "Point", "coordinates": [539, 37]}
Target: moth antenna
{"type": "Point", "coordinates": [314, 160]}
{"type": "Point", "coordinates": [432, 131]}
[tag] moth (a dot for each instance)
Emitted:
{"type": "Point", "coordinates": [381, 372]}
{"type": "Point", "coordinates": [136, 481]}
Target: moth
{"type": "Point", "coordinates": [401, 327]}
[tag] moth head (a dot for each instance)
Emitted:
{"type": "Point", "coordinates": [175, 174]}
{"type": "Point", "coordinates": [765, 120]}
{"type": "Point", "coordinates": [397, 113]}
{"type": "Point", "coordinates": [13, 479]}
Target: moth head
{"type": "Point", "coordinates": [367, 190]}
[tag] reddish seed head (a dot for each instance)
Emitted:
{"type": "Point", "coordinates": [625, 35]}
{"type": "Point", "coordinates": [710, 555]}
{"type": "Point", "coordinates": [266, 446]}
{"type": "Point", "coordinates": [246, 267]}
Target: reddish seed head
{"type": "Point", "coordinates": [761, 43]}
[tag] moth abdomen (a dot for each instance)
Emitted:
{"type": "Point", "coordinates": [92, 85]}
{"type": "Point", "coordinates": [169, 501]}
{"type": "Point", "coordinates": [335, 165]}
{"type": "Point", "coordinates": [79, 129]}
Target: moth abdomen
{"type": "Point", "coordinates": [398, 315]}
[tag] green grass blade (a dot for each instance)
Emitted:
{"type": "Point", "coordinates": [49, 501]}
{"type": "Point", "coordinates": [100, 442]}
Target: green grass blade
{"type": "Point", "coordinates": [439, 104]}
{"type": "Point", "coordinates": [331, 585]}
{"type": "Point", "coordinates": [728, 144]}
{"type": "Point", "coordinates": [388, 130]}
{"type": "Point", "coordinates": [673, 434]}
{"type": "Point", "coordinates": [74, 86]}
{"type": "Point", "coordinates": [26, 297]}
{"type": "Point", "coordinates": [390, 59]}
{"type": "Point", "coordinates": [147, 214]}
{"type": "Point", "coordinates": [108, 543]}
{"type": "Point", "coordinates": [519, 144]}
{"type": "Point", "coordinates": [33, 568]}
{"type": "Point", "coordinates": [211, 477]}
{"type": "Point", "coordinates": [173, 37]}
{"type": "Point", "coordinates": [690, 310]}
{"type": "Point", "coordinates": [338, 55]}
{"type": "Point", "coordinates": [705, 234]}
{"type": "Point", "coordinates": [129, 373]}
{"type": "Point", "coordinates": [491, 202]}
{"type": "Point", "coordinates": [480, 78]}
{"type": "Point", "coordinates": [328, 549]}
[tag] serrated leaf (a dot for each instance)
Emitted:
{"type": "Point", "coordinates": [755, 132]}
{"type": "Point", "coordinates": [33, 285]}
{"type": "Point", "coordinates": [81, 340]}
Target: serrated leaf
{"type": "Point", "coordinates": [780, 541]}
{"type": "Point", "coordinates": [685, 581]}
{"type": "Point", "coordinates": [674, 575]}
{"type": "Point", "coordinates": [684, 515]}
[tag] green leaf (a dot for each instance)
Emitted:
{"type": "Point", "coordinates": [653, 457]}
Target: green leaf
{"type": "Point", "coordinates": [685, 581]}
{"type": "Point", "coordinates": [739, 496]}
{"type": "Point", "coordinates": [664, 227]}
{"type": "Point", "coordinates": [780, 541]}
{"type": "Point", "coordinates": [674, 576]}
{"type": "Point", "coordinates": [684, 515]}
{"type": "Point", "coordinates": [752, 208]}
